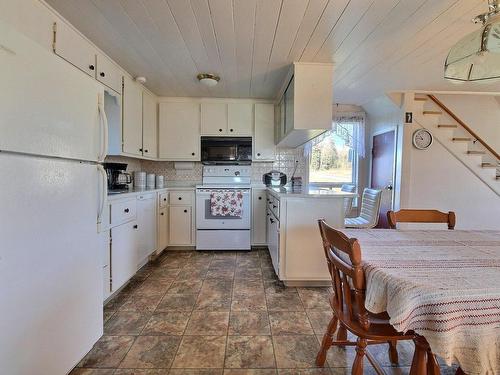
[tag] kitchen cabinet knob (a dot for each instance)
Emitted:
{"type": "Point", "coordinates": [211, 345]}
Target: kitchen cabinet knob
{"type": "Point", "coordinates": [102, 74]}
{"type": "Point", "coordinates": [164, 199]}
{"type": "Point", "coordinates": [126, 210]}
{"type": "Point", "coordinates": [180, 198]}
{"type": "Point", "coordinates": [230, 130]}
{"type": "Point", "coordinates": [185, 210]}
{"type": "Point", "coordinates": [136, 226]}
{"type": "Point", "coordinates": [220, 130]}
{"type": "Point", "coordinates": [274, 206]}
{"type": "Point", "coordinates": [140, 149]}
{"type": "Point", "coordinates": [192, 153]}
{"type": "Point", "coordinates": [145, 150]}
{"type": "Point", "coordinates": [272, 221]}
{"type": "Point", "coordinates": [91, 67]}
{"type": "Point", "coordinates": [258, 153]}
{"type": "Point", "coordinates": [161, 213]}
{"type": "Point", "coordinates": [260, 198]}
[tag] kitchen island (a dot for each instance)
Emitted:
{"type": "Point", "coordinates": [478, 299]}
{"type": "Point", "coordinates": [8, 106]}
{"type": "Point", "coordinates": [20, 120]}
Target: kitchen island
{"type": "Point", "coordinates": [293, 236]}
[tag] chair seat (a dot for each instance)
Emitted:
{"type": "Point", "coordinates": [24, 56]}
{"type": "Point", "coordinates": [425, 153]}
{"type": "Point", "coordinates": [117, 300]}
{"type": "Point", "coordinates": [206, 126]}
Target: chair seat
{"type": "Point", "coordinates": [357, 222]}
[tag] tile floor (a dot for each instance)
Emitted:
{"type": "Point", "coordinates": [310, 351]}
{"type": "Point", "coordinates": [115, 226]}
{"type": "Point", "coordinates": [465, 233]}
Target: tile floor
{"type": "Point", "coordinates": [207, 313]}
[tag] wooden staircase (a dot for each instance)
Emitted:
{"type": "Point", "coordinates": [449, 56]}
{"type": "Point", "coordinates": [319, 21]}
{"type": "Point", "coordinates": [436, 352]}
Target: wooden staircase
{"type": "Point", "coordinates": [459, 139]}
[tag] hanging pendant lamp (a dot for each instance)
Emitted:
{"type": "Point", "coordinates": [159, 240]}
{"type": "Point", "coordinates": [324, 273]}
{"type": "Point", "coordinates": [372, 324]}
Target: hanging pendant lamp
{"type": "Point", "coordinates": [476, 57]}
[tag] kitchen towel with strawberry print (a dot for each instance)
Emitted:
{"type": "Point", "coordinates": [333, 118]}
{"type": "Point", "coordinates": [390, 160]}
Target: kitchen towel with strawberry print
{"type": "Point", "coordinates": [226, 203]}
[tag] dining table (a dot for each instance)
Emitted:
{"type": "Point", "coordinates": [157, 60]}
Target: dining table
{"type": "Point", "coordinates": [444, 285]}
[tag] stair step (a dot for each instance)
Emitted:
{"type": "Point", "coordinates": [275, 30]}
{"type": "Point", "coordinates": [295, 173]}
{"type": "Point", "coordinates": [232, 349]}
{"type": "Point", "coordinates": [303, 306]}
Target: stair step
{"type": "Point", "coordinates": [476, 152]}
{"type": "Point", "coordinates": [433, 113]}
{"type": "Point", "coordinates": [421, 99]}
{"type": "Point", "coordinates": [447, 126]}
{"type": "Point", "coordinates": [489, 165]}
{"type": "Point", "coordinates": [461, 139]}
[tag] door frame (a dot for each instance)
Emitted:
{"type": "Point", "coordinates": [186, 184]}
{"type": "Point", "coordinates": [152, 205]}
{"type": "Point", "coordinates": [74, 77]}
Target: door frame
{"type": "Point", "coordinates": [395, 154]}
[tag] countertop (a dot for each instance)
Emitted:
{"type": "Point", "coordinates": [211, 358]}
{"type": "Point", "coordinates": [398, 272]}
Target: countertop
{"type": "Point", "coordinates": [177, 185]}
{"type": "Point", "coordinates": [307, 191]}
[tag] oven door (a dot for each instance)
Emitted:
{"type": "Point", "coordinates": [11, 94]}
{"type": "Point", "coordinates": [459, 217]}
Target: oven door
{"type": "Point", "coordinates": [205, 219]}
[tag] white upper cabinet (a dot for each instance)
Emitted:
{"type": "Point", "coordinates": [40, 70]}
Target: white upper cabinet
{"type": "Point", "coordinates": [108, 73]}
{"type": "Point", "coordinates": [239, 119]}
{"type": "Point", "coordinates": [72, 47]}
{"type": "Point", "coordinates": [179, 131]}
{"type": "Point", "coordinates": [214, 119]}
{"type": "Point", "coordinates": [263, 145]}
{"type": "Point", "coordinates": [307, 102]}
{"type": "Point", "coordinates": [149, 125]}
{"type": "Point", "coordinates": [132, 117]}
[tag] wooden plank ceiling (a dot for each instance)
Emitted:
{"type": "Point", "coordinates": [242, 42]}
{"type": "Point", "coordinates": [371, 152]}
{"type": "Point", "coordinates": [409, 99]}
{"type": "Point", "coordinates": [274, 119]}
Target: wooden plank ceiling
{"type": "Point", "coordinates": [376, 45]}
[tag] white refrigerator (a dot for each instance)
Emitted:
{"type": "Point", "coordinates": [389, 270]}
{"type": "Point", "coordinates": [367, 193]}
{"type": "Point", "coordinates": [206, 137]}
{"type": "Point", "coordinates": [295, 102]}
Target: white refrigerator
{"type": "Point", "coordinates": [53, 135]}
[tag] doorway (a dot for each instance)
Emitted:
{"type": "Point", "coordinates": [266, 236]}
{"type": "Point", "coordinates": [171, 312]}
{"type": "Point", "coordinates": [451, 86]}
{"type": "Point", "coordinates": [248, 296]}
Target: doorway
{"type": "Point", "coordinates": [383, 150]}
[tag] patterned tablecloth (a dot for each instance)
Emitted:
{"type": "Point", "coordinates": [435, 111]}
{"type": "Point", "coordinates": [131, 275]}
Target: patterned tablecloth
{"type": "Point", "coordinates": [444, 285]}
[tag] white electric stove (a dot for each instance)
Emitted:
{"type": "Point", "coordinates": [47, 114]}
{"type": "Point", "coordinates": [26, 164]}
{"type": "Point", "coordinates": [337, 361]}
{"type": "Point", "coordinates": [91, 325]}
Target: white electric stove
{"type": "Point", "coordinates": [214, 232]}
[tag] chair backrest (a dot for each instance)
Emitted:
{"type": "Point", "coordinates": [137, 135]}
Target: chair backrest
{"type": "Point", "coordinates": [343, 256]}
{"type": "Point", "coordinates": [370, 205]}
{"type": "Point", "coordinates": [348, 188]}
{"type": "Point", "coordinates": [420, 216]}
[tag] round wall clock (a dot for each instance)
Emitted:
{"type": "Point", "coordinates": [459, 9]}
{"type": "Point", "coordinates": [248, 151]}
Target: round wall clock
{"type": "Point", "coordinates": [422, 139]}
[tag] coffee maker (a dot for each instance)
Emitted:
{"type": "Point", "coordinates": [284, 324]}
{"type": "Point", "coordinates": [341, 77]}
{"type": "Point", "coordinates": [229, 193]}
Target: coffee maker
{"type": "Point", "coordinates": [118, 179]}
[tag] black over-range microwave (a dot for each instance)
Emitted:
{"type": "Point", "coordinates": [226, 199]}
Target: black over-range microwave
{"type": "Point", "coordinates": [226, 150]}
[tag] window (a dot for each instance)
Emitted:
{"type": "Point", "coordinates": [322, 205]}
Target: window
{"type": "Point", "coordinates": [332, 161]}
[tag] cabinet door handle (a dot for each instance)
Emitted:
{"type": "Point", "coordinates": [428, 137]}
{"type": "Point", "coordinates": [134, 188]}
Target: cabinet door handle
{"type": "Point", "coordinates": [220, 130]}
{"type": "Point", "coordinates": [136, 226]}
{"type": "Point", "coordinates": [185, 210]}
{"type": "Point", "coordinates": [126, 210]}
{"type": "Point", "coordinates": [258, 153]}
{"type": "Point", "coordinates": [272, 220]}
{"type": "Point", "coordinates": [180, 198]}
{"type": "Point", "coordinates": [274, 206]}
{"type": "Point", "coordinates": [140, 149]}
{"type": "Point", "coordinates": [260, 198]}
{"type": "Point", "coordinates": [145, 150]}
{"type": "Point", "coordinates": [161, 213]}
{"type": "Point", "coordinates": [230, 130]}
{"type": "Point", "coordinates": [91, 67]}
{"type": "Point", "coordinates": [192, 153]}
{"type": "Point", "coordinates": [102, 74]}
{"type": "Point", "coordinates": [164, 199]}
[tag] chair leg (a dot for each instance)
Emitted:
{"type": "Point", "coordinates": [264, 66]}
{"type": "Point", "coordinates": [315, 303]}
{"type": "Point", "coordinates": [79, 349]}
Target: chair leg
{"type": "Point", "coordinates": [357, 366]}
{"type": "Point", "coordinates": [432, 364]}
{"type": "Point", "coordinates": [393, 352]}
{"type": "Point", "coordinates": [327, 342]}
{"type": "Point", "coordinates": [419, 365]}
{"type": "Point", "coordinates": [342, 333]}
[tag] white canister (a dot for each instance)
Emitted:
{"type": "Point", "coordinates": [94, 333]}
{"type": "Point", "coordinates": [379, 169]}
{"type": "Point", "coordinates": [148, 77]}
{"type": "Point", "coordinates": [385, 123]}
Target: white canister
{"type": "Point", "coordinates": [150, 181]}
{"type": "Point", "coordinates": [139, 179]}
{"type": "Point", "coordinates": [160, 182]}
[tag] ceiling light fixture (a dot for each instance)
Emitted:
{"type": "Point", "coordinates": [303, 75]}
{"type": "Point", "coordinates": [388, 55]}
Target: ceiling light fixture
{"type": "Point", "coordinates": [476, 57]}
{"type": "Point", "coordinates": [208, 79]}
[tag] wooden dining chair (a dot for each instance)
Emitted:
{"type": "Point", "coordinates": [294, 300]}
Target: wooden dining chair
{"type": "Point", "coordinates": [343, 256]}
{"type": "Point", "coordinates": [420, 216]}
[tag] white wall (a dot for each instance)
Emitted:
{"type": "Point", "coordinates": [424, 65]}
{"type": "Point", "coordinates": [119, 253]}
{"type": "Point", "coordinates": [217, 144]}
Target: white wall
{"type": "Point", "coordinates": [480, 112]}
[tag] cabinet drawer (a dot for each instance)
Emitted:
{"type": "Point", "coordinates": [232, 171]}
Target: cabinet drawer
{"type": "Point", "coordinates": [181, 197]}
{"type": "Point", "coordinates": [163, 200]}
{"type": "Point", "coordinates": [123, 211]}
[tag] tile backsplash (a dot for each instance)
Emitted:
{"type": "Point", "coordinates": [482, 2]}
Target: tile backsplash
{"type": "Point", "coordinates": [284, 162]}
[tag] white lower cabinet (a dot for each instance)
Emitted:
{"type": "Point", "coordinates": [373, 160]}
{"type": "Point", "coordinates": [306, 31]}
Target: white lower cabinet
{"type": "Point", "coordinates": [163, 229]}
{"type": "Point", "coordinates": [146, 222]}
{"type": "Point", "coordinates": [259, 236]}
{"type": "Point", "coordinates": [123, 253]}
{"type": "Point", "coordinates": [180, 230]}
